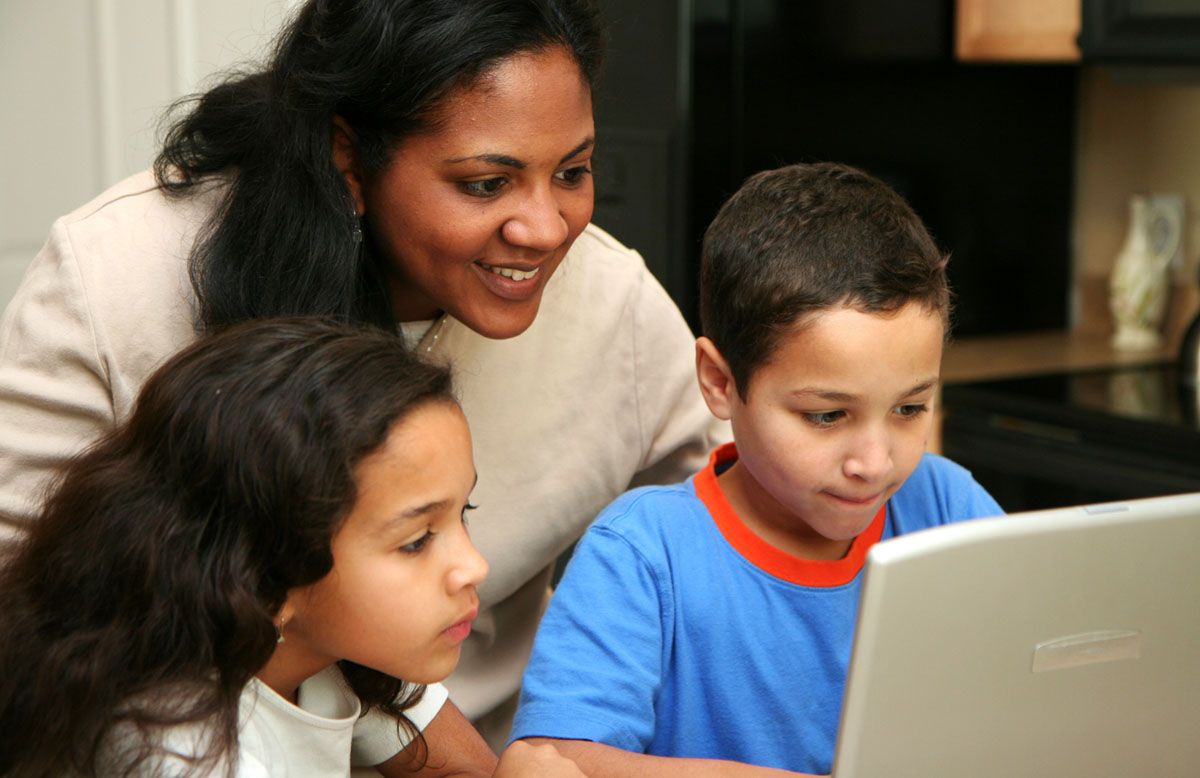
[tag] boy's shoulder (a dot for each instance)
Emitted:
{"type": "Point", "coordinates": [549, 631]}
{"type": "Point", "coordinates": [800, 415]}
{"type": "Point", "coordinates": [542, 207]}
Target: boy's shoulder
{"type": "Point", "coordinates": [943, 491]}
{"type": "Point", "coordinates": [657, 523]}
{"type": "Point", "coordinates": [648, 507]}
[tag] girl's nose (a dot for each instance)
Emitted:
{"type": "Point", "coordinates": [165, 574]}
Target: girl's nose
{"type": "Point", "coordinates": [469, 568]}
{"type": "Point", "coordinates": [539, 224]}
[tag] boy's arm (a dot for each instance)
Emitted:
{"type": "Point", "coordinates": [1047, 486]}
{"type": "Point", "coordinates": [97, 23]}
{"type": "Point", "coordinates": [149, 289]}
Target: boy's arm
{"type": "Point", "coordinates": [597, 760]}
{"type": "Point", "coordinates": [597, 660]}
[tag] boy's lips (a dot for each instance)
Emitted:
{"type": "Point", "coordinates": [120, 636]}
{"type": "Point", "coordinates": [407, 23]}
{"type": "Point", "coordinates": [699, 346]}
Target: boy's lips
{"type": "Point", "coordinates": [856, 500]}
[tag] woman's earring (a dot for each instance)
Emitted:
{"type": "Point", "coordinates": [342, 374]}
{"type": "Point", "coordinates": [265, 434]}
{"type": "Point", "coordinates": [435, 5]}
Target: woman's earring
{"type": "Point", "coordinates": [357, 221]}
{"type": "Point", "coordinates": [279, 632]}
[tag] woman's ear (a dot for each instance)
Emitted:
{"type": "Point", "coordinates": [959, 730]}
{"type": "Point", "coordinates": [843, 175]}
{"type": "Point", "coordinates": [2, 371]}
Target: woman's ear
{"type": "Point", "coordinates": [716, 381]}
{"type": "Point", "coordinates": [345, 158]}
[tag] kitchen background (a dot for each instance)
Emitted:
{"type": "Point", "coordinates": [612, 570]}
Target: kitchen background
{"type": "Point", "coordinates": [1019, 149]}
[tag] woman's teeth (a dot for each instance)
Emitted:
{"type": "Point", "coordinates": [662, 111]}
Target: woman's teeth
{"type": "Point", "coordinates": [508, 272]}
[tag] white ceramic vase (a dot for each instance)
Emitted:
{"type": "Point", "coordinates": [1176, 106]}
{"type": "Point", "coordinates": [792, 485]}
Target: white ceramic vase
{"type": "Point", "coordinates": [1139, 285]}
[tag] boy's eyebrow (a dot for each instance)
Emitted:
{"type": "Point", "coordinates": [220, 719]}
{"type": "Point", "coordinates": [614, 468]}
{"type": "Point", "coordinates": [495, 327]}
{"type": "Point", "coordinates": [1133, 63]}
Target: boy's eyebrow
{"type": "Point", "coordinates": [825, 394]}
{"type": "Point", "coordinates": [846, 397]}
{"type": "Point", "coordinates": [513, 162]}
{"type": "Point", "coordinates": [924, 386]}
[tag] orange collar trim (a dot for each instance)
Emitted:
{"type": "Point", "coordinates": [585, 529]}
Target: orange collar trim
{"type": "Point", "coordinates": [805, 572]}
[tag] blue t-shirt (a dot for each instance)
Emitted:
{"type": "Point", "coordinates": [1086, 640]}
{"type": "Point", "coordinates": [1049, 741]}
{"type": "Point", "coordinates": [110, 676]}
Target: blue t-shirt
{"type": "Point", "coordinates": [676, 631]}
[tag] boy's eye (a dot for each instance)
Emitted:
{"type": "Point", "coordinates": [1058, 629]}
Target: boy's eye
{"type": "Point", "coordinates": [488, 187]}
{"type": "Point", "coordinates": [418, 544]}
{"type": "Point", "coordinates": [574, 176]}
{"type": "Point", "coordinates": [913, 410]}
{"type": "Point", "coordinates": [824, 418]}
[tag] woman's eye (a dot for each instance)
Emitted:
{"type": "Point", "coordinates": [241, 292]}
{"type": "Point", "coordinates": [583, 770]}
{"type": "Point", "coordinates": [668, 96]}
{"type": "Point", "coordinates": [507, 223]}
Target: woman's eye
{"type": "Point", "coordinates": [467, 507]}
{"type": "Point", "coordinates": [488, 187]}
{"type": "Point", "coordinates": [573, 176]}
{"type": "Point", "coordinates": [418, 544]}
{"type": "Point", "coordinates": [824, 418]}
{"type": "Point", "coordinates": [912, 411]}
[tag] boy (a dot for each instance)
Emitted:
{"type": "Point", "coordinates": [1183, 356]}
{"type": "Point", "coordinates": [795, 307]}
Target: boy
{"type": "Point", "coordinates": [713, 620]}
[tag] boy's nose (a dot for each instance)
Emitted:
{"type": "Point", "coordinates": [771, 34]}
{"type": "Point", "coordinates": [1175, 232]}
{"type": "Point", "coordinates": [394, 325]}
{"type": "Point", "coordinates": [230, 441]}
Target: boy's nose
{"type": "Point", "coordinates": [871, 457]}
{"type": "Point", "coordinates": [539, 224]}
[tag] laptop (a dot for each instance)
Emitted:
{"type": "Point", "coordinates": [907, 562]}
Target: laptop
{"type": "Point", "coordinates": [1061, 642]}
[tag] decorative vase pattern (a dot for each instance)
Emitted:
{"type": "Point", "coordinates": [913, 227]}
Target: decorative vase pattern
{"type": "Point", "coordinates": [1139, 284]}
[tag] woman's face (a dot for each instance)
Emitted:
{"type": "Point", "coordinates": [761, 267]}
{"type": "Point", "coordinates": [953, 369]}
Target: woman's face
{"type": "Point", "coordinates": [475, 215]}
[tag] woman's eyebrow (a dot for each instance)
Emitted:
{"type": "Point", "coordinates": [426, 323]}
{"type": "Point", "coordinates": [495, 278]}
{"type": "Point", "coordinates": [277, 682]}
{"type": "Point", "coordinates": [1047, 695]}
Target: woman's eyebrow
{"type": "Point", "coordinates": [587, 142]}
{"type": "Point", "coordinates": [513, 162]}
{"type": "Point", "coordinates": [495, 159]}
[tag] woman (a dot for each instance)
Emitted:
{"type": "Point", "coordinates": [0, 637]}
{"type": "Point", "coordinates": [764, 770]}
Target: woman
{"type": "Point", "coordinates": [421, 163]}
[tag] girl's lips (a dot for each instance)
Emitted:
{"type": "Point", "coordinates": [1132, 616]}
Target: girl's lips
{"type": "Point", "coordinates": [459, 631]}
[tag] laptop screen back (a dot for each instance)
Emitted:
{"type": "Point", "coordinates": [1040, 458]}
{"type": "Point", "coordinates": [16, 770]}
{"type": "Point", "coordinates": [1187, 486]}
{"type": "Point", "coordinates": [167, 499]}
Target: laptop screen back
{"type": "Point", "coordinates": [1063, 642]}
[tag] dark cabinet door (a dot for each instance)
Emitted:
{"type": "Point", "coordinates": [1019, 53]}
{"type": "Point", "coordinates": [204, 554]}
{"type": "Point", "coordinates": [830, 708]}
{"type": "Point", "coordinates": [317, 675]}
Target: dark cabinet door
{"type": "Point", "coordinates": [1140, 31]}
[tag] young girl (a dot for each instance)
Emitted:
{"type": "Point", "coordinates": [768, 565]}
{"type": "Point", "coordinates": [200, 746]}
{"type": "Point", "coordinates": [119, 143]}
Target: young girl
{"type": "Point", "coordinates": [224, 583]}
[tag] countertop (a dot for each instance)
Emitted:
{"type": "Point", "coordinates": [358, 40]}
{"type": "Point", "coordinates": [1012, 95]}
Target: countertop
{"type": "Point", "coordinates": [1008, 356]}
{"type": "Point", "coordinates": [1005, 356]}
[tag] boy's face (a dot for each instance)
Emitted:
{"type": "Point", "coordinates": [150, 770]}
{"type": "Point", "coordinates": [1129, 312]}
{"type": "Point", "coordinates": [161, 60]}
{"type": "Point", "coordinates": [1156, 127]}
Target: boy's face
{"type": "Point", "coordinates": [832, 426]}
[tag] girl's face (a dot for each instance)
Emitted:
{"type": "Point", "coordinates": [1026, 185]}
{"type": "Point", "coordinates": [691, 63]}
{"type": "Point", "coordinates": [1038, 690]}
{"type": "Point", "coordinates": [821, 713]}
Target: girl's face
{"type": "Point", "coordinates": [475, 215]}
{"type": "Point", "coordinates": [402, 592]}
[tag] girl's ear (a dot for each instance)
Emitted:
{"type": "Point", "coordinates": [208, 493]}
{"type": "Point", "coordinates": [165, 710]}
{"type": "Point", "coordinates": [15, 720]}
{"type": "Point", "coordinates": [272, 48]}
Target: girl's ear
{"type": "Point", "coordinates": [716, 381]}
{"type": "Point", "coordinates": [286, 612]}
{"type": "Point", "coordinates": [345, 158]}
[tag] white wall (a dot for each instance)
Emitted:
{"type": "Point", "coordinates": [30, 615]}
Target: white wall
{"type": "Point", "coordinates": [82, 86]}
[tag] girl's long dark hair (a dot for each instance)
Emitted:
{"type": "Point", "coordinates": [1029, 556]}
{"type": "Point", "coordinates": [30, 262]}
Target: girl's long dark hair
{"type": "Point", "coordinates": [282, 240]}
{"type": "Point", "coordinates": [144, 594]}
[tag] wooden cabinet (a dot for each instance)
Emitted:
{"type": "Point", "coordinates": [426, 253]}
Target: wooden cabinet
{"type": "Point", "coordinates": [1017, 30]}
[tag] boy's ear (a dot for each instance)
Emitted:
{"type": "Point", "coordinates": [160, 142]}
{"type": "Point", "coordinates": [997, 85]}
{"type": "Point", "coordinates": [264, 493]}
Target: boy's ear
{"type": "Point", "coordinates": [716, 381]}
{"type": "Point", "coordinates": [345, 158]}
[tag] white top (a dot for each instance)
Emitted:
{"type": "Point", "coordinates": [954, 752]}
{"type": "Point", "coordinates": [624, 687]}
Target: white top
{"type": "Point", "coordinates": [321, 737]}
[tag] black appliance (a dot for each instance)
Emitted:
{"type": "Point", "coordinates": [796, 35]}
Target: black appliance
{"type": "Point", "coordinates": [699, 94]}
{"type": "Point", "coordinates": [1140, 31]}
{"type": "Point", "coordinates": [1075, 438]}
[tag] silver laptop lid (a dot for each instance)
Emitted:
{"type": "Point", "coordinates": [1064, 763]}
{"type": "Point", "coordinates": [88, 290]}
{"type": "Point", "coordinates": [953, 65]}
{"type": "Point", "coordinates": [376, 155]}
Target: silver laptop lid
{"type": "Point", "coordinates": [1062, 643]}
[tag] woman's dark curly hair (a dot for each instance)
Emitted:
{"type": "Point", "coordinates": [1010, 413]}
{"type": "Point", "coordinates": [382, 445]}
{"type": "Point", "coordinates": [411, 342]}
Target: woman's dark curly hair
{"type": "Point", "coordinates": [281, 243]}
{"type": "Point", "coordinates": [164, 551]}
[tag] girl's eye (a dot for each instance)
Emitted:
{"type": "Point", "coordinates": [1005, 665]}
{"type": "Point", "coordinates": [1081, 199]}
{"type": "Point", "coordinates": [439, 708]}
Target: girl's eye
{"type": "Point", "coordinates": [574, 176]}
{"type": "Point", "coordinates": [823, 419]}
{"type": "Point", "coordinates": [912, 411]}
{"type": "Point", "coordinates": [488, 187]}
{"type": "Point", "coordinates": [418, 544]}
{"type": "Point", "coordinates": [467, 507]}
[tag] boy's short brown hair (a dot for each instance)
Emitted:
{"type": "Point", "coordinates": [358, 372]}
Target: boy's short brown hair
{"type": "Point", "coordinates": [803, 238]}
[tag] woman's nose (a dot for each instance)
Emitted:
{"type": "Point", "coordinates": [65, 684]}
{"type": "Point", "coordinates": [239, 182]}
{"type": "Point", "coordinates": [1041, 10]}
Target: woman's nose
{"type": "Point", "coordinates": [539, 224]}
